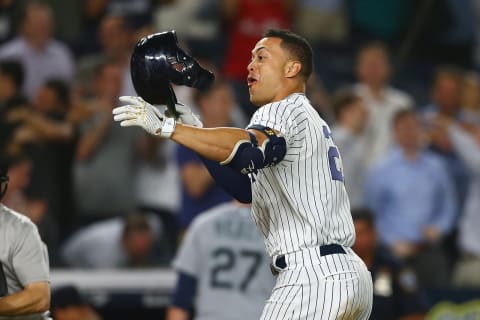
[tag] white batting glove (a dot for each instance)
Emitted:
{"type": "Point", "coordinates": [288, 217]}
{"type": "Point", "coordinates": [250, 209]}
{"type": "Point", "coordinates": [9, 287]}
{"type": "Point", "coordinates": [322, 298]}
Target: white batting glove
{"type": "Point", "coordinates": [140, 113]}
{"type": "Point", "coordinates": [186, 116]}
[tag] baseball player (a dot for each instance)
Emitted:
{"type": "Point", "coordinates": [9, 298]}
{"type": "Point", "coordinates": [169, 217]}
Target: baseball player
{"type": "Point", "coordinates": [221, 262]}
{"type": "Point", "coordinates": [24, 269]}
{"type": "Point", "coordinates": [286, 163]}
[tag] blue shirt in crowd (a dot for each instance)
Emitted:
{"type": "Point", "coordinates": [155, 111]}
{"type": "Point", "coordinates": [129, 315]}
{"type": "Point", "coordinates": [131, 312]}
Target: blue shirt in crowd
{"type": "Point", "coordinates": [408, 195]}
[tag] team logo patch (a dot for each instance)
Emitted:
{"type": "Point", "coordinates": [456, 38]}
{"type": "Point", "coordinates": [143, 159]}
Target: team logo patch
{"type": "Point", "coordinates": [269, 132]}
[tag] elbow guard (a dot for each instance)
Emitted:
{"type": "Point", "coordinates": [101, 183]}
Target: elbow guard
{"type": "Point", "coordinates": [247, 156]}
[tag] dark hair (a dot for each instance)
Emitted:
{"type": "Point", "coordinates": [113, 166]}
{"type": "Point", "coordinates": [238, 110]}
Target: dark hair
{"type": "Point", "coordinates": [126, 23]}
{"type": "Point", "coordinates": [452, 72]}
{"type": "Point", "coordinates": [342, 100]}
{"type": "Point", "coordinates": [402, 114]}
{"type": "Point", "coordinates": [296, 45]}
{"type": "Point", "coordinates": [100, 68]}
{"type": "Point", "coordinates": [14, 70]}
{"type": "Point", "coordinates": [374, 45]}
{"type": "Point", "coordinates": [33, 4]}
{"type": "Point", "coordinates": [8, 160]}
{"type": "Point", "coordinates": [135, 222]}
{"type": "Point", "coordinates": [61, 89]}
{"type": "Point", "coordinates": [364, 215]}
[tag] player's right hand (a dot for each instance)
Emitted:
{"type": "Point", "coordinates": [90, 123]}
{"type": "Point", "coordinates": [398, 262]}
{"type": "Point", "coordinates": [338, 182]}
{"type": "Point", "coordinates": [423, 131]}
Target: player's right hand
{"type": "Point", "coordinates": [138, 112]}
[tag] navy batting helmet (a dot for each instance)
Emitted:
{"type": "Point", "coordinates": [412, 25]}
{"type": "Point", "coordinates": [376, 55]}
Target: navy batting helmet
{"type": "Point", "coordinates": [157, 61]}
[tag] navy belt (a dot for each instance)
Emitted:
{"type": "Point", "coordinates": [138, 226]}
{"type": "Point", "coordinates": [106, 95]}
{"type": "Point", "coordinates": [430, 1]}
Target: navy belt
{"type": "Point", "coordinates": [325, 250]}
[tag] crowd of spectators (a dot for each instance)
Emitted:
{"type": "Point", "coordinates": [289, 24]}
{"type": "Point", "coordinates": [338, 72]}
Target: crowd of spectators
{"type": "Point", "coordinates": [396, 80]}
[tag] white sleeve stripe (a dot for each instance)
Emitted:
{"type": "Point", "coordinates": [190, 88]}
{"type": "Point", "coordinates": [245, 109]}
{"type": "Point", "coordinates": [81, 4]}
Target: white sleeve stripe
{"type": "Point", "coordinates": [234, 151]}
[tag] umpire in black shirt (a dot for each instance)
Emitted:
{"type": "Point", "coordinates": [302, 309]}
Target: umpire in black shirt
{"type": "Point", "coordinates": [396, 294]}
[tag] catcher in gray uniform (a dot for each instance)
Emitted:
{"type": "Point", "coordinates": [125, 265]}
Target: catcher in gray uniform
{"type": "Point", "coordinates": [24, 268]}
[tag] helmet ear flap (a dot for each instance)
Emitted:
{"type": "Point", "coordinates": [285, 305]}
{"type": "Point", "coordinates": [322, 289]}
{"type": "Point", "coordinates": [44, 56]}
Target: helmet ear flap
{"type": "Point", "coordinates": [171, 111]}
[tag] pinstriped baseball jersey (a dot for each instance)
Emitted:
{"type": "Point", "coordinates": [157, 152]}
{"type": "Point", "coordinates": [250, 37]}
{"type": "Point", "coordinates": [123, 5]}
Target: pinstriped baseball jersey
{"type": "Point", "coordinates": [301, 202]}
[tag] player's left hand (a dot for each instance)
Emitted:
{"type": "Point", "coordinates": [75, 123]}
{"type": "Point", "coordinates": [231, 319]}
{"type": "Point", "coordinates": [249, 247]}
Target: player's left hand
{"type": "Point", "coordinates": [186, 116]}
{"type": "Point", "coordinates": [138, 112]}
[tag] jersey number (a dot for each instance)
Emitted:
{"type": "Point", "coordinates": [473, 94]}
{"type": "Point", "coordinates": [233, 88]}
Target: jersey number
{"type": "Point", "coordinates": [333, 158]}
{"type": "Point", "coordinates": [225, 261]}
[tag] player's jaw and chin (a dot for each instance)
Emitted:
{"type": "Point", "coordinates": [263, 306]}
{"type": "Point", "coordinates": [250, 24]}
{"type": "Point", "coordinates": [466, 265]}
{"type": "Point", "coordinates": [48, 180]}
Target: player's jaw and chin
{"type": "Point", "coordinates": [262, 92]}
{"type": "Point", "coordinates": [264, 85]}
{"type": "Point", "coordinates": [254, 90]}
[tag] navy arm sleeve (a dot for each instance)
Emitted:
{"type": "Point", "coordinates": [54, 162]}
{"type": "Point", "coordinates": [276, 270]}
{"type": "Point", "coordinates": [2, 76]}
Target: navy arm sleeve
{"type": "Point", "coordinates": [184, 294]}
{"type": "Point", "coordinates": [234, 183]}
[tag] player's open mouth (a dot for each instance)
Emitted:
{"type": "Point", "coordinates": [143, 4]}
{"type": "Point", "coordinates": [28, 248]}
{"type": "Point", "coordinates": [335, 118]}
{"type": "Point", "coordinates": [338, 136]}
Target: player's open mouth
{"type": "Point", "coordinates": [251, 81]}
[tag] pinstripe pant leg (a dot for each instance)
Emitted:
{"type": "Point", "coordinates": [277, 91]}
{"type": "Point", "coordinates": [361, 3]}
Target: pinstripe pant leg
{"type": "Point", "coordinates": [366, 280]}
{"type": "Point", "coordinates": [286, 296]}
{"type": "Point", "coordinates": [341, 296]}
{"type": "Point", "coordinates": [322, 292]}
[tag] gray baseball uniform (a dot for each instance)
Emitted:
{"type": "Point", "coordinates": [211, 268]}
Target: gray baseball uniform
{"type": "Point", "coordinates": [23, 255]}
{"type": "Point", "coordinates": [224, 251]}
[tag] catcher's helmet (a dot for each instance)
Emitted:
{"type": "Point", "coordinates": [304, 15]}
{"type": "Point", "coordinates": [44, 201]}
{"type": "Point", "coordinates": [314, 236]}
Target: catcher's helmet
{"type": "Point", "coordinates": [3, 176]}
{"type": "Point", "coordinates": [157, 61]}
